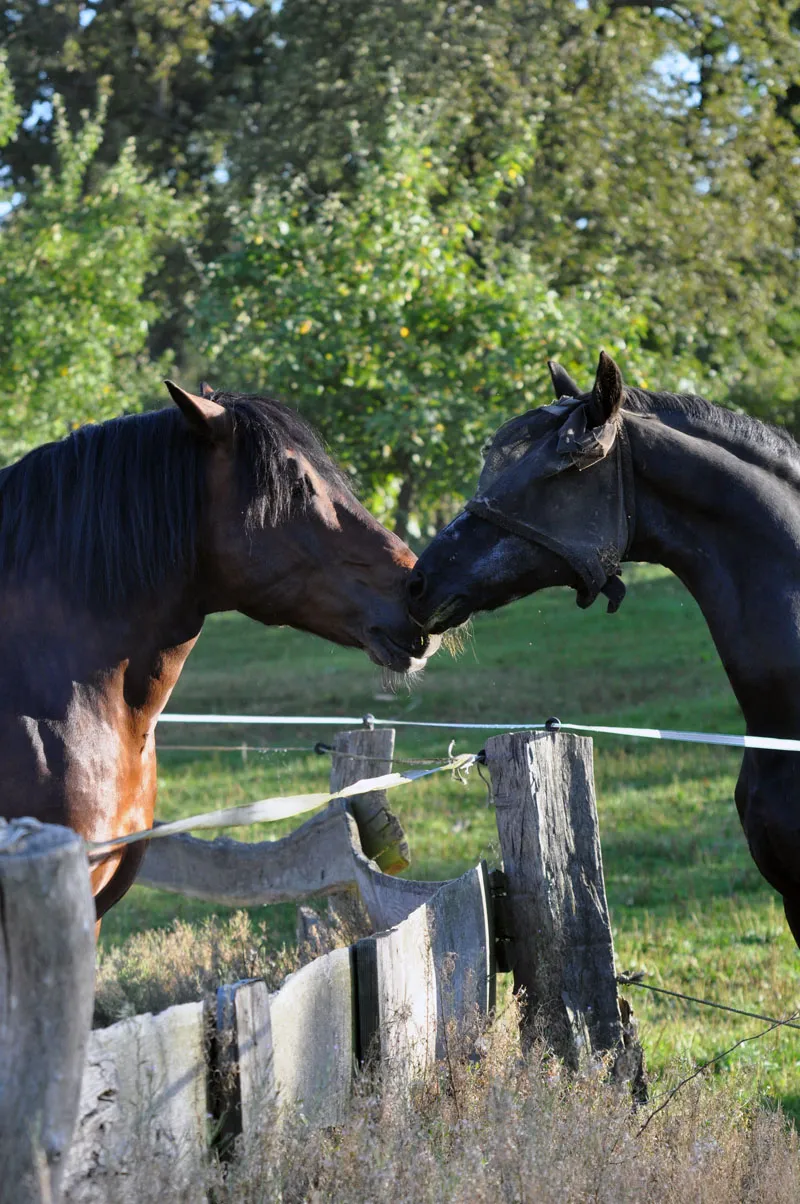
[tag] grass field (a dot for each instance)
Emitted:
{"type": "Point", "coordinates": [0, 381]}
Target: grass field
{"type": "Point", "coordinates": [688, 906]}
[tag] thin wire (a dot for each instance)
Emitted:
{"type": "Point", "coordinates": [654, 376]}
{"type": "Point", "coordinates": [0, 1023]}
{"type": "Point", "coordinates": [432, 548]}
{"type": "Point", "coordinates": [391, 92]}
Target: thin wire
{"type": "Point", "coordinates": [633, 981]}
{"type": "Point", "coordinates": [240, 748]}
{"type": "Point", "coordinates": [319, 748]}
{"type": "Point", "coordinates": [699, 1070]}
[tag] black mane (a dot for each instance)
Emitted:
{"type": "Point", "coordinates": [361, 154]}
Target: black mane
{"type": "Point", "coordinates": [115, 508]}
{"type": "Point", "coordinates": [756, 441]}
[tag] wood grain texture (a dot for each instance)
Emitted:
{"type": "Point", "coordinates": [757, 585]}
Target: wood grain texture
{"type": "Point", "coordinates": [425, 980]}
{"type": "Point", "coordinates": [390, 900]}
{"type": "Point", "coordinates": [460, 928]}
{"type": "Point", "coordinates": [313, 1039]}
{"type": "Point", "coordinates": [397, 1001]}
{"type": "Point", "coordinates": [142, 1115]}
{"type": "Point", "coordinates": [368, 754]}
{"type": "Point", "coordinates": [244, 1058]}
{"type": "Point", "coordinates": [47, 953]}
{"type": "Point", "coordinates": [315, 859]}
{"type": "Point", "coordinates": [323, 856]}
{"type": "Point", "coordinates": [543, 787]}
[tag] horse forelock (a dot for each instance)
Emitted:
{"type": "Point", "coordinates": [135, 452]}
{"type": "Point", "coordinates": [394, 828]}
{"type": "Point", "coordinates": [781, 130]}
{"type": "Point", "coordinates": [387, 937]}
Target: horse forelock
{"type": "Point", "coordinates": [264, 429]}
{"type": "Point", "coordinates": [115, 508]}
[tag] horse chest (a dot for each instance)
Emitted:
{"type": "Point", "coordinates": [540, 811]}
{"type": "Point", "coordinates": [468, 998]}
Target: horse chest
{"type": "Point", "coordinates": [79, 771]}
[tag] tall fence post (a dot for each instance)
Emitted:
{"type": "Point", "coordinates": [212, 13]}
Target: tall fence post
{"type": "Point", "coordinates": [47, 919]}
{"type": "Point", "coordinates": [562, 950]}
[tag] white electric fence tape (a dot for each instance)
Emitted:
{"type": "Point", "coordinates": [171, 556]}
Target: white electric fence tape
{"type": "Point", "coordinates": [649, 733]}
{"type": "Point", "coordinates": [268, 810]}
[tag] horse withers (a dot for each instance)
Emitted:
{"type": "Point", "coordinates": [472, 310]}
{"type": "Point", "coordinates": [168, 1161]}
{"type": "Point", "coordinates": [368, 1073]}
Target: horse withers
{"type": "Point", "coordinates": [117, 542]}
{"type": "Point", "coordinates": [571, 490]}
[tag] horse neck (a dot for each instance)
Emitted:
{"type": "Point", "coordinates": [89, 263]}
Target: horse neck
{"type": "Point", "coordinates": [730, 531]}
{"type": "Point", "coordinates": [132, 653]}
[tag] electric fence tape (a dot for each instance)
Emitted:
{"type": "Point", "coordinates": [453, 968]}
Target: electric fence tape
{"type": "Point", "coordinates": [648, 733]}
{"type": "Point", "coordinates": [268, 810]}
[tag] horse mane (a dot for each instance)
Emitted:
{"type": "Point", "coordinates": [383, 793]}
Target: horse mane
{"type": "Point", "coordinates": [752, 440]}
{"type": "Point", "coordinates": [115, 508]}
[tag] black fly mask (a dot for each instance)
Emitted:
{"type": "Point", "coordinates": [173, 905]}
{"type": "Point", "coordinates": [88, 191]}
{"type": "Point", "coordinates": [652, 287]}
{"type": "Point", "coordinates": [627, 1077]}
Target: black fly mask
{"type": "Point", "coordinates": [553, 480]}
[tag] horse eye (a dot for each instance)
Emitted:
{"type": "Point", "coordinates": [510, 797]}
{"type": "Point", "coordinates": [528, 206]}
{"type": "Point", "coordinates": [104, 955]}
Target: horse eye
{"type": "Point", "coordinates": [303, 488]}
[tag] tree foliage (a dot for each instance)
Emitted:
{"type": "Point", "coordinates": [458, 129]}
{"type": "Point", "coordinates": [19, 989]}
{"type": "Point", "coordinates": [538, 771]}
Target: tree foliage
{"type": "Point", "coordinates": [396, 317]}
{"type": "Point", "coordinates": [75, 255]}
{"type": "Point", "coordinates": [9, 113]}
{"type": "Point", "coordinates": [666, 150]}
{"type": "Point", "coordinates": [157, 61]}
{"type": "Point", "coordinates": [656, 205]}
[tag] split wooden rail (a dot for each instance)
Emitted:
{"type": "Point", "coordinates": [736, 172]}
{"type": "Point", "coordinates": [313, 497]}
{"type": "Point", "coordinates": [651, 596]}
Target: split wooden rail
{"type": "Point", "coordinates": [155, 1090]}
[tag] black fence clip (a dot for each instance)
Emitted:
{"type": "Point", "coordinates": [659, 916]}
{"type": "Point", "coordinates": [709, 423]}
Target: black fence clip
{"type": "Point", "coordinates": [552, 724]}
{"type": "Point", "coordinates": [503, 926]}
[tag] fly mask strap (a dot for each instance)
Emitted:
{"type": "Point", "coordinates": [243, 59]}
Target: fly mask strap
{"type": "Point", "coordinates": [588, 568]}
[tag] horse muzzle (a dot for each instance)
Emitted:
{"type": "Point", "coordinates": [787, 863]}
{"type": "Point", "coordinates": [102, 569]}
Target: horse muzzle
{"type": "Point", "coordinates": [402, 651]}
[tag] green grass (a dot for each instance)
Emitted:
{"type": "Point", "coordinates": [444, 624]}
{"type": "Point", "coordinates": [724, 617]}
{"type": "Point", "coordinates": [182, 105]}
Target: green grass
{"type": "Point", "coordinates": [687, 904]}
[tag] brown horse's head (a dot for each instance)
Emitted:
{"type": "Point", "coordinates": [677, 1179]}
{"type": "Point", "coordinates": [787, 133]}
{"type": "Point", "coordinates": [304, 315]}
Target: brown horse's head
{"type": "Point", "coordinates": [284, 540]}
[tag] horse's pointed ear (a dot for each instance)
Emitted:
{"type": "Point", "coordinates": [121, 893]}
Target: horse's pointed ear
{"type": "Point", "coordinates": [607, 393]}
{"type": "Point", "coordinates": [204, 416]}
{"type": "Point", "coordinates": [206, 390]}
{"type": "Point", "coordinates": [563, 384]}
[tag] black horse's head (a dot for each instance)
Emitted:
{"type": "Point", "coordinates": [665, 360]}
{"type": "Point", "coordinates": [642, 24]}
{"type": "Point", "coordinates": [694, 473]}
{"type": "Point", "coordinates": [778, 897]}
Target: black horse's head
{"type": "Point", "coordinates": [553, 507]}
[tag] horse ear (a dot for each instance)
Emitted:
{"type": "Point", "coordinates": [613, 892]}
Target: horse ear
{"type": "Point", "coordinates": [206, 390]}
{"type": "Point", "coordinates": [607, 393]}
{"type": "Point", "coordinates": [204, 416]}
{"type": "Point", "coordinates": [563, 384]}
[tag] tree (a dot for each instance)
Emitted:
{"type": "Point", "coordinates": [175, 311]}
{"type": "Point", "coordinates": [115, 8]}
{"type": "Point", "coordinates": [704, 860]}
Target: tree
{"type": "Point", "coordinates": [9, 113]}
{"type": "Point", "coordinates": [159, 61]}
{"type": "Point", "coordinates": [394, 317]}
{"type": "Point", "coordinates": [665, 161]}
{"type": "Point", "coordinates": [75, 256]}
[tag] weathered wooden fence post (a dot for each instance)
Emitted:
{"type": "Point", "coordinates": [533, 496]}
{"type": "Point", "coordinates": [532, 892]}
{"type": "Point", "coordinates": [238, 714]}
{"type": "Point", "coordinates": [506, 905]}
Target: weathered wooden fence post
{"type": "Point", "coordinates": [562, 950]}
{"type": "Point", "coordinates": [368, 754]}
{"type": "Point", "coordinates": [46, 998]}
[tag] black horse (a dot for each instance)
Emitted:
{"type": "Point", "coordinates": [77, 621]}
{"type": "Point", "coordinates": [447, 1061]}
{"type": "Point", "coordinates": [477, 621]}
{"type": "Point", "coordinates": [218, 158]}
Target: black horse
{"type": "Point", "coordinates": [571, 490]}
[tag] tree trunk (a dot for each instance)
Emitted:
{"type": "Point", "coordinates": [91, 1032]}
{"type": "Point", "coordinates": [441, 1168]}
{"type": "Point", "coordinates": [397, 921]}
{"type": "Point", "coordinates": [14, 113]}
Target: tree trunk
{"type": "Point", "coordinates": [403, 509]}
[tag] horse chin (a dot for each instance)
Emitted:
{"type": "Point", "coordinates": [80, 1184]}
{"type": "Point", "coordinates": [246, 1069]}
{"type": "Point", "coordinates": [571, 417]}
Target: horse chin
{"type": "Point", "coordinates": [394, 658]}
{"type": "Point", "coordinates": [394, 682]}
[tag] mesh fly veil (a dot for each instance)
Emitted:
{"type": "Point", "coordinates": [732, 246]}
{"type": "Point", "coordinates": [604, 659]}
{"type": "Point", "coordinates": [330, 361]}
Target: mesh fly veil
{"type": "Point", "coordinates": [535, 484]}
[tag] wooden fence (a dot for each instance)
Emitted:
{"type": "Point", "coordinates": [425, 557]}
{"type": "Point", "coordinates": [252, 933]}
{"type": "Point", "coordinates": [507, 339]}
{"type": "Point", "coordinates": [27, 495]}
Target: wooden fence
{"type": "Point", "coordinates": [161, 1088]}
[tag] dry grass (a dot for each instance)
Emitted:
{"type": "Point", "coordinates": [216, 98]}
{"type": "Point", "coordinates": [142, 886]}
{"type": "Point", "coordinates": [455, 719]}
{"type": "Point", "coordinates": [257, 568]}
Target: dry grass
{"type": "Point", "coordinates": [183, 963]}
{"type": "Point", "coordinates": [514, 1128]}
{"type": "Point", "coordinates": [508, 1127]}
{"type": "Point", "coordinates": [187, 962]}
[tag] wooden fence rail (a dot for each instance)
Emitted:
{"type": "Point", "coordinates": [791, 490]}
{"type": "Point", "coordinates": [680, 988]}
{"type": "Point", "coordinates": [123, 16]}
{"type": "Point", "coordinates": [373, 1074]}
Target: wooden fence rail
{"type": "Point", "coordinates": [157, 1089]}
{"type": "Point", "coordinates": [342, 849]}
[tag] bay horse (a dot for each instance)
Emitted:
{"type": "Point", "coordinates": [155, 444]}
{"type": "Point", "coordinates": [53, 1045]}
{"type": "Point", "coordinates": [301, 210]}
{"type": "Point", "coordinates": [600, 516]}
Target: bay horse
{"type": "Point", "coordinates": [571, 490]}
{"type": "Point", "coordinates": [117, 542]}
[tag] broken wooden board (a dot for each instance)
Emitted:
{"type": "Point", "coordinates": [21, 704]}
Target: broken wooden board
{"type": "Point", "coordinates": [430, 976]}
{"type": "Point", "coordinates": [313, 1039]}
{"type": "Point", "coordinates": [321, 857]}
{"type": "Point", "coordinates": [143, 1109]}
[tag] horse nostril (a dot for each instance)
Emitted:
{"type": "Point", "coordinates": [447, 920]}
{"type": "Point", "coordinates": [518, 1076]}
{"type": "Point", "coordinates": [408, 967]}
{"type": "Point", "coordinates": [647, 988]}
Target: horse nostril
{"type": "Point", "coordinates": [416, 585]}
